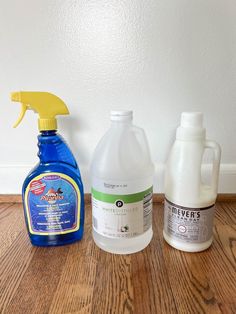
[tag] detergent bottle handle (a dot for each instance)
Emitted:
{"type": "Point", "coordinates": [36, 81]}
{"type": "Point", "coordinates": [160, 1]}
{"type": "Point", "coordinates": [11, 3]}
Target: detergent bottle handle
{"type": "Point", "coordinates": [142, 140]}
{"type": "Point", "coordinates": [216, 163]}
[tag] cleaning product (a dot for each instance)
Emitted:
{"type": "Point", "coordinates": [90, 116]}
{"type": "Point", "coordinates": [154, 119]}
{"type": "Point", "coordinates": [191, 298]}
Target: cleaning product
{"type": "Point", "coordinates": [122, 180]}
{"type": "Point", "coordinates": [189, 204]}
{"type": "Point", "coordinates": [52, 193]}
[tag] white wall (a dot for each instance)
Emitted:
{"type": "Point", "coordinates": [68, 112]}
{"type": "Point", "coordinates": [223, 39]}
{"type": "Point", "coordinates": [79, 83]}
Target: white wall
{"type": "Point", "coordinates": [157, 57]}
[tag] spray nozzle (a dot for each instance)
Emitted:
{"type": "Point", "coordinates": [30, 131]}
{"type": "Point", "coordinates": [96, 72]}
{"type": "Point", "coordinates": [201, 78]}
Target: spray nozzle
{"type": "Point", "coordinates": [47, 105]}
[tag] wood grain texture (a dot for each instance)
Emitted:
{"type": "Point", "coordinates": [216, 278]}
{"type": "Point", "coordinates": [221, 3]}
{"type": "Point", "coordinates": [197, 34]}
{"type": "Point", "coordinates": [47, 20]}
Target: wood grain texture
{"type": "Point", "coordinates": [80, 278]}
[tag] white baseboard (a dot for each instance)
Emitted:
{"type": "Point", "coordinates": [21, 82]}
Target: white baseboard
{"type": "Point", "coordinates": [12, 177]}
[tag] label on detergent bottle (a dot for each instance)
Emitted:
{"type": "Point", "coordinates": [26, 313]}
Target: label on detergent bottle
{"type": "Point", "coordinates": [191, 225]}
{"type": "Point", "coordinates": [122, 216]}
{"type": "Point", "coordinates": [52, 203]}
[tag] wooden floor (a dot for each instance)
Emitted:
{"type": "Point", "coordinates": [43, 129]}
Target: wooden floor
{"type": "Point", "coordinates": [80, 278]}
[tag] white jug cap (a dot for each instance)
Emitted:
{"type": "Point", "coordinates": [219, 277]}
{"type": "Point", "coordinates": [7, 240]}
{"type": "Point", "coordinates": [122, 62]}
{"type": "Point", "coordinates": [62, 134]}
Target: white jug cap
{"type": "Point", "coordinates": [191, 119]}
{"type": "Point", "coordinates": [121, 115]}
{"type": "Point", "coordinates": [191, 126]}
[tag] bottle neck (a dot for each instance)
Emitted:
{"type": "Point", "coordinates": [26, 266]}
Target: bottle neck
{"type": "Point", "coordinates": [190, 134]}
{"type": "Point", "coordinates": [48, 133]}
{"type": "Point", "coordinates": [121, 123]}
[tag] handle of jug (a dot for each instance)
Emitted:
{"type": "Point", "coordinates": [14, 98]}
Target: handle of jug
{"type": "Point", "coordinates": [142, 140]}
{"type": "Point", "coordinates": [216, 163]}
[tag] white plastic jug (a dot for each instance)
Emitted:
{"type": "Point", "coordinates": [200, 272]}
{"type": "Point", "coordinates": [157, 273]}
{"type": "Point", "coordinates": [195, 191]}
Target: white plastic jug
{"type": "Point", "coordinates": [122, 179]}
{"type": "Point", "coordinates": [189, 204]}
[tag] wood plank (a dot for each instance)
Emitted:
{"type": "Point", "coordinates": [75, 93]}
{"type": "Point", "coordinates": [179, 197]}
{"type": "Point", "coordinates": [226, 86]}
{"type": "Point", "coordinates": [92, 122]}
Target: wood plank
{"type": "Point", "coordinates": [81, 278]}
{"type": "Point", "coordinates": [10, 198]}
{"type": "Point", "coordinates": [11, 224]}
{"type": "Point", "coordinates": [152, 288]}
{"type": "Point", "coordinates": [37, 287]}
{"type": "Point", "coordinates": [225, 213]}
{"type": "Point", "coordinates": [204, 285]}
{"type": "Point", "coordinates": [226, 197]}
{"type": "Point", "coordinates": [16, 252]}
{"type": "Point", "coordinates": [192, 291]}
{"type": "Point", "coordinates": [113, 290]}
{"type": "Point", "coordinates": [220, 263]}
{"type": "Point", "coordinates": [74, 293]}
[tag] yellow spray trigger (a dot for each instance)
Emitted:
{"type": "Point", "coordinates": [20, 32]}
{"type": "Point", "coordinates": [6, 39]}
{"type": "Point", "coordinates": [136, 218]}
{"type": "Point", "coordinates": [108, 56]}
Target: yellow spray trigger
{"type": "Point", "coordinates": [47, 105]}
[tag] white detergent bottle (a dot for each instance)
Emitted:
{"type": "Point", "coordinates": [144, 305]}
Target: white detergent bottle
{"type": "Point", "coordinates": [122, 180]}
{"type": "Point", "coordinates": [189, 204]}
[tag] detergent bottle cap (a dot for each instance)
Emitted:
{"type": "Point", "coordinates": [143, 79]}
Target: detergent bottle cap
{"type": "Point", "coordinates": [191, 119]}
{"type": "Point", "coordinates": [47, 105]}
{"type": "Point", "coordinates": [191, 126]}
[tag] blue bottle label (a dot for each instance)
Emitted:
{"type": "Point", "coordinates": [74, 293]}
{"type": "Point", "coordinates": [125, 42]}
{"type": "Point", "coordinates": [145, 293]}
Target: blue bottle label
{"type": "Point", "coordinates": [52, 203]}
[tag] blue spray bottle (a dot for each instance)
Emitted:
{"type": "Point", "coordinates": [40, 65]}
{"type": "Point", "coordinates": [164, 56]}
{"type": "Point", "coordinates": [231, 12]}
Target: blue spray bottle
{"type": "Point", "coordinates": [52, 193]}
